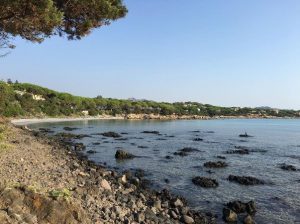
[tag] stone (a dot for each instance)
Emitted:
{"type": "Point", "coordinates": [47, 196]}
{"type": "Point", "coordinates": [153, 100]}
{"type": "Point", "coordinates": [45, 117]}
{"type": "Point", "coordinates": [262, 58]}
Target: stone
{"type": "Point", "coordinates": [248, 220]}
{"type": "Point", "coordinates": [245, 180]}
{"type": "Point", "coordinates": [229, 215]}
{"type": "Point", "coordinates": [218, 164]}
{"type": "Point", "coordinates": [187, 219]}
{"type": "Point", "coordinates": [178, 203]}
{"type": "Point", "coordinates": [121, 154]}
{"type": "Point", "coordinates": [105, 185]}
{"type": "Point", "coordinates": [157, 204]}
{"type": "Point", "coordinates": [205, 182]}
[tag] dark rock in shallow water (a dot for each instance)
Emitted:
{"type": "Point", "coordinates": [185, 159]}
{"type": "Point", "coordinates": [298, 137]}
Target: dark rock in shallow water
{"type": "Point", "coordinates": [91, 152]}
{"type": "Point", "coordinates": [121, 139]}
{"type": "Point", "coordinates": [142, 147]}
{"type": "Point", "coordinates": [288, 167]}
{"type": "Point", "coordinates": [198, 139]}
{"type": "Point", "coordinates": [150, 132]}
{"type": "Point", "coordinates": [45, 130]}
{"type": "Point", "coordinates": [245, 135]}
{"type": "Point", "coordinates": [69, 129]}
{"type": "Point", "coordinates": [181, 154]}
{"type": "Point", "coordinates": [188, 149]}
{"type": "Point", "coordinates": [239, 150]}
{"type": "Point", "coordinates": [121, 154]}
{"type": "Point", "coordinates": [221, 157]}
{"type": "Point", "coordinates": [111, 134]}
{"type": "Point", "coordinates": [245, 180]}
{"type": "Point", "coordinates": [205, 182]}
{"type": "Point", "coordinates": [96, 143]}
{"type": "Point", "coordinates": [218, 164]}
{"type": "Point", "coordinates": [241, 207]}
{"type": "Point", "coordinates": [168, 157]}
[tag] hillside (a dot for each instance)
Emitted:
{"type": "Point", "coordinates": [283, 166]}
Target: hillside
{"type": "Point", "coordinates": [25, 100]}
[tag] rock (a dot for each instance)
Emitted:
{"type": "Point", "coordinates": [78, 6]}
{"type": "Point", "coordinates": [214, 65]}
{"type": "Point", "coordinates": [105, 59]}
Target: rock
{"type": "Point", "coordinates": [111, 134]}
{"type": "Point", "coordinates": [180, 154]}
{"type": "Point", "coordinates": [198, 139]}
{"type": "Point", "coordinates": [173, 214]}
{"type": "Point", "coordinates": [177, 203]}
{"type": "Point", "coordinates": [139, 217]}
{"type": "Point", "coordinates": [245, 135]}
{"type": "Point", "coordinates": [79, 146]}
{"type": "Point", "coordinates": [150, 132]}
{"type": "Point", "coordinates": [157, 204]}
{"type": "Point", "coordinates": [229, 215]}
{"type": "Point", "coordinates": [168, 157]}
{"type": "Point", "coordinates": [288, 167]}
{"type": "Point", "coordinates": [189, 149]}
{"type": "Point", "coordinates": [121, 154]}
{"type": "Point", "coordinates": [69, 129]}
{"type": "Point", "coordinates": [248, 220]}
{"type": "Point", "coordinates": [105, 185]}
{"type": "Point", "coordinates": [237, 206]}
{"type": "Point", "coordinates": [91, 152]}
{"type": "Point", "coordinates": [205, 182]}
{"type": "Point", "coordinates": [123, 179]}
{"type": "Point", "coordinates": [221, 157]}
{"type": "Point", "coordinates": [241, 151]}
{"type": "Point", "coordinates": [187, 219]}
{"type": "Point", "coordinates": [218, 164]}
{"type": "Point", "coordinates": [142, 147]}
{"type": "Point", "coordinates": [251, 207]}
{"type": "Point", "coordinates": [245, 180]}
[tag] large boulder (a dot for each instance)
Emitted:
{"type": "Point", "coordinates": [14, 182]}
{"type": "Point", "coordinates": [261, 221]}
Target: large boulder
{"type": "Point", "coordinates": [205, 182]}
{"type": "Point", "coordinates": [245, 180]}
{"type": "Point", "coordinates": [121, 154]}
{"type": "Point", "coordinates": [218, 164]}
{"type": "Point", "coordinates": [111, 134]}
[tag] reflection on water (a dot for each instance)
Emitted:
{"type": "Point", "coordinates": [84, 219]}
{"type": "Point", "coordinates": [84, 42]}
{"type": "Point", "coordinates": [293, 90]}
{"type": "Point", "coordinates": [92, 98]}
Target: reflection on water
{"type": "Point", "coordinates": [274, 142]}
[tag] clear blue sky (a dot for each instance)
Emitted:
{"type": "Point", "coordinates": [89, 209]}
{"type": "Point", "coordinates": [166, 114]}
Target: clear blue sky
{"type": "Point", "coordinates": [231, 53]}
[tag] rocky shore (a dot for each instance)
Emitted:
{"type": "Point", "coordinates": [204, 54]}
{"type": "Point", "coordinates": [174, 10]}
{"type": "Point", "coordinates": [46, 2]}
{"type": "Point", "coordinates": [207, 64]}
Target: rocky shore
{"type": "Point", "coordinates": [43, 180]}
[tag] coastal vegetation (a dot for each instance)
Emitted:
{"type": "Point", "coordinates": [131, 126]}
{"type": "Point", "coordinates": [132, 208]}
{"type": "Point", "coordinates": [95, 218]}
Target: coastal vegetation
{"type": "Point", "coordinates": [24, 99]}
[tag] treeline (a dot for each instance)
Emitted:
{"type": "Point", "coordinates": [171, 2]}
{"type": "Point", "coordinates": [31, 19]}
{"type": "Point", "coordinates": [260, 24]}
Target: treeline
{"type": "Point", "coordinates": [23, 99]}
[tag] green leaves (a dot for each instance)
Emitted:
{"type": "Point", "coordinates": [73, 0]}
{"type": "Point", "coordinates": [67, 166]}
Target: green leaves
{"type": "Point", "coordinates": [36, 20]}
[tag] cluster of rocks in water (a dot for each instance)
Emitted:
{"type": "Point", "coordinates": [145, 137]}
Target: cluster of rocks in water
{"type": "Point", "coordinates": [174, 208]}
{"type": "Point", "coordinates": [237, 210]}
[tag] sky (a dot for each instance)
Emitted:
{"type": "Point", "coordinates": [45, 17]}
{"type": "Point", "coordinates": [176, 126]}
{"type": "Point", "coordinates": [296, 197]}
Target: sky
{"type": "Point", "coordinates": [227, 53]}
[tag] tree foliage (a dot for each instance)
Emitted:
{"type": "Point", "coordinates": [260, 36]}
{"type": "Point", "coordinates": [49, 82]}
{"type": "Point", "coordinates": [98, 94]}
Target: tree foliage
{"type": "Point", "coordinates": [18, 99]}
{"type": "Point", "coordinates": [35, 20]}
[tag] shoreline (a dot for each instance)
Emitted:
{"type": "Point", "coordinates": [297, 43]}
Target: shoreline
{"type": "Point", "coordinates": [97, 193]}
{"type": "Point", "coordinates": [28, 121]}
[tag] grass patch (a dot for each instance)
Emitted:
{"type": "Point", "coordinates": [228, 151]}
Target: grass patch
{"type": "Point", "coordinates": [60, 193]}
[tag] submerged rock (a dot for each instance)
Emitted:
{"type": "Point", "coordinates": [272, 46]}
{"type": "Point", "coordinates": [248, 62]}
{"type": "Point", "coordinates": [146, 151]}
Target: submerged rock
{"type": "Point", "coordinates": [245, 180]}
{"type": "Point", "coordinates": [185, 151]}
{"type": "Point", "coordinates": [79, 146]}
{"type": "Point", "coordinates": [205, 182]}
{"type": "Point", "coordinates": [69, 129]}
{"type": "Point", "coordinates": [245, 135]}
{"type": "Point", "coordinates": [121, 154]}
{"type": "Point", "coordinates": [111, 134]}
{"type": "Point", "coordinates": [150, 132]}
{"type": "Point", "coordinates": [198, 139]}
{"type": "Point", "coordinates": [288, 167]}
{"type": "Point", "coordinates": [239, 150]}
{"type": "Point", "coordinates": [218, 164]}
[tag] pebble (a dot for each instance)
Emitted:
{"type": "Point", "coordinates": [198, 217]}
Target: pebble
{"type": "Point", "coordinates": [105, 185]}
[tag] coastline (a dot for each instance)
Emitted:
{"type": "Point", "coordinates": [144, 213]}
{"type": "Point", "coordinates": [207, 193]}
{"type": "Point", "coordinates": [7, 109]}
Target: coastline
{"type": "Point", "coordinates": [28, 121]}
{"type": "Point", "coordinates": [43, 165]}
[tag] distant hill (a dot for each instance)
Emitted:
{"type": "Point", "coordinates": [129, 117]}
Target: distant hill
{"type": "Point", "coordinates": [24, 99]}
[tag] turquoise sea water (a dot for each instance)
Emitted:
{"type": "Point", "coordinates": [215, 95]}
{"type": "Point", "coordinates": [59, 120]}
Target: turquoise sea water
{"type": "Point", "coordinates": [274, 142]}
